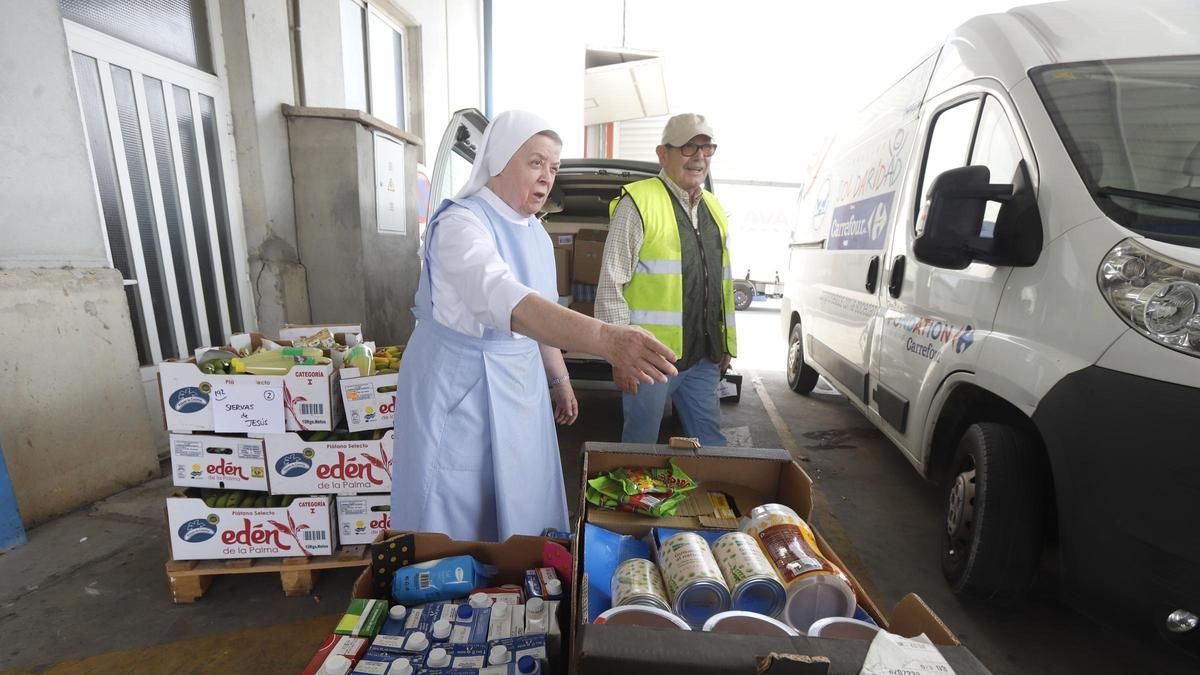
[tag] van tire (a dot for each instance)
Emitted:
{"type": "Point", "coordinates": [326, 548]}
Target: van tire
{"type": "Point", "coordinates": [743, 295]}
{"type": "Point", "coordinates": [800, 377]}
{"type": "Point", "coordinates": [994, 509]}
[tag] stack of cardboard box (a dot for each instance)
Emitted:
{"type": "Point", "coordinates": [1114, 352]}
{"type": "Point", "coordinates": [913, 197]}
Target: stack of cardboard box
{"type": "Point", "coordinates": [253, 494]}
{"type": "Point", "coordinates": [577, 260]}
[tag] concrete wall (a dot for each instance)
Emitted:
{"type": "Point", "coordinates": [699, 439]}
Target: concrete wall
{"type": "Point", "coordinates": [74, 423]}
{"type": "Point", "coordinates": [539, 58]}
{"type": "Point", "coordinates": [355, 272]}
{"type": "Point", "coordinates": [48, 212]}
{"type": "Point", "coordinates": [464, 61]}
{"type": "Point", "coordinates": [258, 64]}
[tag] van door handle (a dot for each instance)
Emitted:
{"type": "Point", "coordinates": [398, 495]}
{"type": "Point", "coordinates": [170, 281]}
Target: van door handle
{"type": "Point", "coordinates": [897, 281]}
{"type": "Point", "coordinates": [873, 274]}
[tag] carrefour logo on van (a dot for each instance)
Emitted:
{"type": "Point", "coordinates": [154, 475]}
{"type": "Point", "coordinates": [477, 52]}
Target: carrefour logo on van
{"type": "Point", "coordinates": [197, 530]}
{"type": "Point", "coordinates": [292, 465]}
{"type": "Point", "coordinates": [188, 400]}
{"type": "Point", "coordinates": [860, 225]}
{"type": "Point", "coordinates": [937, 330]}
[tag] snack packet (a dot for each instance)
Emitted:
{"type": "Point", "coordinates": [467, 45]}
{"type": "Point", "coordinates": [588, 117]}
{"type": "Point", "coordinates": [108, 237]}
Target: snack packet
{"type": "Point", "coordinates": [653, 492]}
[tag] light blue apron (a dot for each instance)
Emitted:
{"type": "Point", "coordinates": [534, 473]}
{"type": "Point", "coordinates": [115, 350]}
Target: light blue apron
{"type": "Point", "coordinates": [476, 453]}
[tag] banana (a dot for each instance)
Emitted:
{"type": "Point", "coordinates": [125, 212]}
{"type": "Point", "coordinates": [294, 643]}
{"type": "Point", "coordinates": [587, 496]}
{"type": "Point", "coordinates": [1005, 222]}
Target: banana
{"type": "Point", "coordinates": [235, 499]}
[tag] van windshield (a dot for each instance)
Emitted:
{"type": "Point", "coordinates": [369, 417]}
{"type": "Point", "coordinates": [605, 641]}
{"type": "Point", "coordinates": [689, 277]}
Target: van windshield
{"type": "Point", "coordinates": [1133, 132]}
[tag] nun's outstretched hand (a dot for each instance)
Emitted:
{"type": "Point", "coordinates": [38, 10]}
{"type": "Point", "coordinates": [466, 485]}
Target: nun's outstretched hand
{"type": "Point", "coordinates": [633, 349]}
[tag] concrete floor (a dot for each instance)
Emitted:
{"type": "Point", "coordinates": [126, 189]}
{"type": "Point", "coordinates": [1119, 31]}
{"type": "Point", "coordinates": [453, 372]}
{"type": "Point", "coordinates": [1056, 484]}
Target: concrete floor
{"type": "Point", "coordinates": [88, 594]}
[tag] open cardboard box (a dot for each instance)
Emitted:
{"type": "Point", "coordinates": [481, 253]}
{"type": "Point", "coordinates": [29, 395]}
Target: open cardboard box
{"type": "Point", "coordinates": [312, 400]}
{"type": "Point", "coordinates": [511, 558]}
{"type": "Point", "coordinates": [747, 477]}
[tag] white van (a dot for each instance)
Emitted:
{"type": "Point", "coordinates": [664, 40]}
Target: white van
{"type": "Point", "coordinates": [998, 263]}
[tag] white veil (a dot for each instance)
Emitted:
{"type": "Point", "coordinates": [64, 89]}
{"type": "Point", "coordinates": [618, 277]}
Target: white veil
{"type": "Point", "coordinates": [501, 140]}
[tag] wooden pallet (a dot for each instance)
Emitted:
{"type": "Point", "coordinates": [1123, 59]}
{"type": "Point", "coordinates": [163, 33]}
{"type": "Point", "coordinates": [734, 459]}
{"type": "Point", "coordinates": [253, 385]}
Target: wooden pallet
{"type": "Point", "coordinates": [189, 579]}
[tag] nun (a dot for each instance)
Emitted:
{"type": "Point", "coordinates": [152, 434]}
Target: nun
{"type": "Point", "coordinates": [476, 453]}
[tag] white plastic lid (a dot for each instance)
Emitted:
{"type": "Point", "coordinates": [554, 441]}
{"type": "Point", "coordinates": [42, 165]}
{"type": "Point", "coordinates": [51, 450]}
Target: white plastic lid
{"type": "Point", "coordinates": [843, 628]}
{"type": "Point", "coordinates": [554, 587]}
{"type": "Point", "coordinates": [816, 597]}
{"type": "Point", "coordinates": [336, 664]}
{"type": "Point", "coordinates": [417, 642]}
{"type": "Point", "coordinates": [400, 667]}
{"type": "Point", "coordinates": [642, 615]}
{"type": "Point", "coordinates": [398, 612]}
{"type": "Point", "coordinates": [748, 623]}
{"type": "Point", "coordinates": [498, 655]}
{"type": "Point", "coordinates": [480, 600]}
{"type": "Point", "coordinates": [500, 608]}
{"type": "Point", "coordinates": [438, 658]}
{"type": "Point", "coordinates": [441, 629]}
{"type": "Point", "coordinates": [535, 606]}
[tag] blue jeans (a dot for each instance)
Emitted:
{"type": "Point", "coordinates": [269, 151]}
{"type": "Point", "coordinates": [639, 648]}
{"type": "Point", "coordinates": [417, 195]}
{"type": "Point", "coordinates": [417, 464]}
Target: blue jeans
{"type": "Point", "coordinates": [694, 393]}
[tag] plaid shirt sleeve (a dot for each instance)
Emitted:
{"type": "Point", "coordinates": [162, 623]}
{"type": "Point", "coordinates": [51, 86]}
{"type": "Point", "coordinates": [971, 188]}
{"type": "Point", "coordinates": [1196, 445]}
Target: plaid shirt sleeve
{"type": "Point", "coordinates": [621, 252]}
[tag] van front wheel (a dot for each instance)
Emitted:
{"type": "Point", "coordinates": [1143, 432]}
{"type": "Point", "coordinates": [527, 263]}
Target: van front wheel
{"type": "Point", "coordinates": [743, 295]}
{"type": "Point", "coordinates": [800, 377]}
{"type": "Point", "coordinates": [995, 503]}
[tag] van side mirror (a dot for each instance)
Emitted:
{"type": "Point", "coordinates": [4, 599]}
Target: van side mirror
{"type": "Point", "coordinates": [955, 233]}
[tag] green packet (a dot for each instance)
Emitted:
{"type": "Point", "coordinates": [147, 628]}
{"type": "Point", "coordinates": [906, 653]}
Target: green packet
{"type": "Point", "coordinates": [599, 494]}
{"type": "Point", "coordinates": [654, 480]}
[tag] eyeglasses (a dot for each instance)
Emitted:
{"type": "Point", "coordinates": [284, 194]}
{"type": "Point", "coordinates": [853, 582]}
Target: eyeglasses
{"type": "Point", "coordinates": [689, 149]}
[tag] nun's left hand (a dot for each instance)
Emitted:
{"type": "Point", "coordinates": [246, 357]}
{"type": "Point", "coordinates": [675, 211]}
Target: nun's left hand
{"type": "Point", "coordinates": [566, 408]}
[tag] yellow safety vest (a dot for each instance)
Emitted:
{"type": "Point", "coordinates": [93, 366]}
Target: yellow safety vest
{"type": "Point", "coordinates": [655, 293]}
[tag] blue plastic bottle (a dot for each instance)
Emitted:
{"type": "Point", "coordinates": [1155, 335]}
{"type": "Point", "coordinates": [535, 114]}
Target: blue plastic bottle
{"type": "Point", "coordinates": [444, 579]}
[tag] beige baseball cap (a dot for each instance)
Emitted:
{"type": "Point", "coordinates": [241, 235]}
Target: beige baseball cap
{"type": "Point", "coordinates": [682, 128]}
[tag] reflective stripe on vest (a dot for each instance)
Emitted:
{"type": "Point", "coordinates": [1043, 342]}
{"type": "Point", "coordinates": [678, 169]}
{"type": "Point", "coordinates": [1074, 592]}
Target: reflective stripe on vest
{"type": "Point", "coordinates": [655, 293]}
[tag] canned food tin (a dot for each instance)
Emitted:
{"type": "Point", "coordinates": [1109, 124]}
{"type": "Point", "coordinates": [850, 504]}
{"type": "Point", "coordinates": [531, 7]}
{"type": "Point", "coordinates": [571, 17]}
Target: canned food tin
{"type": "Point", "coordinates": [693, 579]}
{"type": "Point", "coordinates": [637, 581]}
{"type": "Point", "coordinates": [642, 615]}
{"type": "Point", "coordinates": [754, 584]}
{"type": "Point", "coordinates": [816, 588]}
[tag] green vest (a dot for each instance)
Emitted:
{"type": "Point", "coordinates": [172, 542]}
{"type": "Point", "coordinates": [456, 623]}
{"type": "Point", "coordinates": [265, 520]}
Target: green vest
{"type": "Point", "coordinates": [655, 293]}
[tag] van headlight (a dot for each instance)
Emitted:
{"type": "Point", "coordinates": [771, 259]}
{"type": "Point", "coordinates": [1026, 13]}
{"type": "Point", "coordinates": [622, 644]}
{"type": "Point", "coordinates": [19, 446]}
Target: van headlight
{"type": "Point", "coordinates": [1157, 296]}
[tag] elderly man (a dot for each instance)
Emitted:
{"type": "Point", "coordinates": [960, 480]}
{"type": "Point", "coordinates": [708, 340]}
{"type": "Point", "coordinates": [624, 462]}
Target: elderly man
{"type": "Point", "coordinates": [666, 269]}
